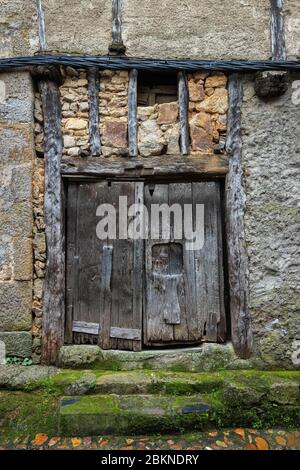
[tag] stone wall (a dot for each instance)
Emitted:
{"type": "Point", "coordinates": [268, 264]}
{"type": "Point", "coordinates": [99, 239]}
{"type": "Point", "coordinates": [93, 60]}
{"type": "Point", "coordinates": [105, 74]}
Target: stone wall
{"type": "Point", "coordinates": [158, 129]}
{"type": "Point", "coordinates": [16, 212]}
{"type": "Point", "coordinates": [208, 105]}
{"type": "Point", "coordinates": [75, 114]}
{"type": "Point", "coordinates": [271, 165]}
{"type": "Point", "coordinates": [292, 28]}
{"type": "Point", "coordinates": [207, 29]}
{"type": "Point", "coordinates": [113, 112]}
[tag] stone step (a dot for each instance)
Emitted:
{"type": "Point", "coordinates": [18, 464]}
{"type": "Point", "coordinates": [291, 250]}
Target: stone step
{"type": "Point", "coordinates": [132, 414]}
{"type": "Point", "coordinates": [143, 382]}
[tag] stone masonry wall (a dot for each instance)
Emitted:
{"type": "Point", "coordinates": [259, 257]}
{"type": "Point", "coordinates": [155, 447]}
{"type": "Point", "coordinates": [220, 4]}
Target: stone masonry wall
{"type": "Point", "coordinates": [158, 129]}
{"type": "Point", "coordinates": [271, 165]}
{"type": "Point", "coordinates": [16, 212]}
{"type": "Point", "coordinates": [208, 105]}
{"type": "Point", "coordinates": [75, 114]}
{"type": "Point", "coordinates": [113, 112]}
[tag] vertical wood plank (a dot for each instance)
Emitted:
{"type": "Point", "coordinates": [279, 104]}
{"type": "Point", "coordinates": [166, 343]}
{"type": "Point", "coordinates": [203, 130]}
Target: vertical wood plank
{"type": "Point", "coordinates": [138, 271]}
{"type": "Point", "coordinates": [72, 265]}
{"type": "Point", "coordinates": [106, 296]}
{"type": "Point", "coordinates": [277, 30]}
{"type": "Point", "coordinates": [41, 25]}
{"type": "Point", "coordinates": [183, 100]}
{"type": "Point", "coordinates": [94, 133]}
{"type": "Point", "coordinates": [235, 209]}
{"type": "Point", "coordinates": [117, 21]}
{"type": "Point", "coordinates": [54, 287]}
{"type": "Point", "coordinates": [132, 114]}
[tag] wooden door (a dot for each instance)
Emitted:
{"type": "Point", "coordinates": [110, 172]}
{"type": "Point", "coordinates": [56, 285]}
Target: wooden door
{"type": "Point", "coordinates": [104, 277]}
{"type": "Point", "coordinates": [184, 299]}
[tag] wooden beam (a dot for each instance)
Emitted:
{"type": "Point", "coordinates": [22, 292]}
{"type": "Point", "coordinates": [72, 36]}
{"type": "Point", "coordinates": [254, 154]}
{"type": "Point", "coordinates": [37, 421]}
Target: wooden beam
{"type": "Point", "coordinates": [54, 286]}
{"type": "Point", "coordinates": [235, 209]}
{"type": "Point", "coordinates": [132, 114]}
{"type": "Point", "coordinates": [41, 25]}
{"type": "Point", "coordinates": [183, 99]}
{"type": "Point", "coordinates": [277, 30]}
{"type": "Point", "coordinates": [161, 166]}
{"type": "Point", "coordinates": [94, 133]}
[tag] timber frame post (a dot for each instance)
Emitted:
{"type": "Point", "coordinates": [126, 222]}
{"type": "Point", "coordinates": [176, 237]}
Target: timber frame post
{"type": "Point", "coordinates": [54, 286]}
{"type": "Point", "coordinates": [241, 329]}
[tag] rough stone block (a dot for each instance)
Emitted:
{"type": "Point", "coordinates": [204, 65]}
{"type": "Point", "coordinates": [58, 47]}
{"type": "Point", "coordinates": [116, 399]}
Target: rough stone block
{"type": "Point", "coordinates": [22, 259]}
{"type": "Point", "coordinates": [15, 306]}
{"type": "Point", "coordinates": [17, 220]}
{"type": "Point", "coordinates": [17, 105]}
{"type": "Point", "coordinates": [285, 392]}
{"type": "Point", "coordinates": [90, 33]}
{"type": "Point", "coordinates": [6, 258]}
{"type": "Point", "coordinates": [17, 343]}
{"type": "Point", "coordinates": [19, 29]}
{"type": "Point", "coordinates": [210, 29]}
{"type": "Point", "coordinates": [16, 142]}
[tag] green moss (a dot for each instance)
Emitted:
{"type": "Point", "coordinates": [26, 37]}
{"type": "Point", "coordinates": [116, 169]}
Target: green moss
{"type": "Point", "coordinates": [26, 414]}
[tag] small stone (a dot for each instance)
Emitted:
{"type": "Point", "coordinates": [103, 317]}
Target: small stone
{"type": "Point", "coordinates": [196, 91]}
{"type": "Point", "coordinates": [82, 82]}
{"type": "Point", "coordinates": [200, 139]}
{"type": "Point", "coordinates": [203, 120]}
{"type": "Point", "coordinates": [209, 91]}
{"type": "Point", "coordinates": [217, 103]}
{"type": "Point", "coordinates": [40, 439]}
{"type": "Point", "coordinates": [75, 124]}
{"type": "Point", "coordinates": [280, 440]}
{"type": "Point", "coordinates": [69, 141]}
{"type": "Point", "coordinates": [167, 113]}
{"type": "Point", "coordinates": [74, 152]}
{"type": "Point", "coordinates": [216, 81]}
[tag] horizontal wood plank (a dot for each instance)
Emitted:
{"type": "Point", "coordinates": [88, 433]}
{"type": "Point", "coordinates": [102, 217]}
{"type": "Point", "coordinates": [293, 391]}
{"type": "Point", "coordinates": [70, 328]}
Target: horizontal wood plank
{"type": "Point", "coordinates": [126, 333]}
{"type": "Point", "coordinates": [85, 327]}
{"type": "Point", "coordinates": [205, 165]}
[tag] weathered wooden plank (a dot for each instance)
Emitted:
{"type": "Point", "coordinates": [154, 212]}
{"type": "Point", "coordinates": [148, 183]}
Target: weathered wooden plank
{"type": "Point", "coordinates": [168, 167]}
{"type": "Point", "coordinates": [117, 21]}
{"type": "Point", "coordinates": [132, 114]}
{"type": "Point", "coordinates": [41, 25]}
{"type": "Point", "coordinates": [209, 262]}
{"type": "Point", "coordinates": [156, 330]}
{"type": "Point", "coordinates": [126, 333]}
{"type": "Point", "coordinates": [106, 296]}
{"type": "Point", "coordinates": [85, 327]}
{"type": "Point", "coordinates": [183, 100]}
{"type": "Point", "coordinates": [71, 259]}
{"type": "Point", "coordinates": [138, 268]}
{"type": "Point", "coordinates": [54, 287]}
{"type": "Point", "coordinates": [94, 133]}
{"type": "Point", "coordinates": [235, 210]}
{"type": "Point", "coordinates": [277, 30]}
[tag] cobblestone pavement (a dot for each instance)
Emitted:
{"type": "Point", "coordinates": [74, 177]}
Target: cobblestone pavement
{"type": "Point", "coordinates": [236, 439]}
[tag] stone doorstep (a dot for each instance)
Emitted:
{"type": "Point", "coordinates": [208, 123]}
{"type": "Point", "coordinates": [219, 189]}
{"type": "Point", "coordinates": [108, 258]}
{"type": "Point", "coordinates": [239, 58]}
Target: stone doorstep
{"type": "Point", "coordinates": [207, 357]}
{"type": "Point", "coordinates": [98, 414]}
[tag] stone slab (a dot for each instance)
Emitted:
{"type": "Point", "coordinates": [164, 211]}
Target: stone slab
{"type": "Point", "coordinates": [15, 306]}
{"type": "Point", "coordinates": [18, 343]}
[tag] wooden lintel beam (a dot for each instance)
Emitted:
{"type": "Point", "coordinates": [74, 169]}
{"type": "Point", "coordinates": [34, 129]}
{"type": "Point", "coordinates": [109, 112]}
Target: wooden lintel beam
{"type": "Point", "coordinates": [161, 166]}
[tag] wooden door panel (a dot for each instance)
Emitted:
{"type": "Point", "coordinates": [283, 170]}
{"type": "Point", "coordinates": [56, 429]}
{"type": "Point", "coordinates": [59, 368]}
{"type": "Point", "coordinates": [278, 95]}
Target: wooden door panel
{"type": "Point", "coordinates": [185, 294]}
{"type": "Point", "coordinates": [104, 276]}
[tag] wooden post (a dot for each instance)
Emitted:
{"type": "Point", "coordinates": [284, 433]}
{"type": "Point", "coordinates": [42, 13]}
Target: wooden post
{"type": "Point", "coordinates": [94, 133]}
{"type": "Point", "coordinates": [54, 286]}
{"type": "Point", "coordinates": [117, 46]}
{"type": "Point", "coordinates": [132, 114]}
{"type": "Point", "coordinates": [41, 25]}
{"type": "Point", "coordinates": [277, 30]}
{"type": "Point", "coordinates": [183, 99]}
{"type": "Point", "coordinates": [235, 209]}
